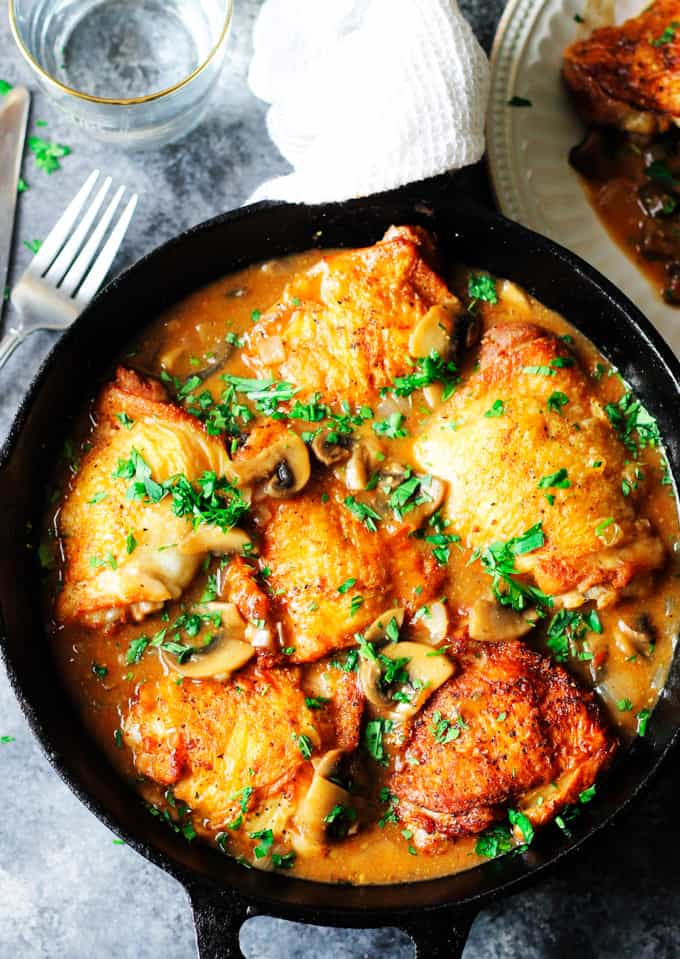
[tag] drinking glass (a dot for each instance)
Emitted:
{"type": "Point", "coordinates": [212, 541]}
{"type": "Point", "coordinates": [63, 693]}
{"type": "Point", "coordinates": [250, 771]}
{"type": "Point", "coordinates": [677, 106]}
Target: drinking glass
{"type": "Point", "coordinates": [137, 73]}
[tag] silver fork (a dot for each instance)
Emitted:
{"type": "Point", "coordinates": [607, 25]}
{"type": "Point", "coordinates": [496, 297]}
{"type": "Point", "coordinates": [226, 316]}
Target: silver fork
{"type": "Point", "coordinates": [69, 267]}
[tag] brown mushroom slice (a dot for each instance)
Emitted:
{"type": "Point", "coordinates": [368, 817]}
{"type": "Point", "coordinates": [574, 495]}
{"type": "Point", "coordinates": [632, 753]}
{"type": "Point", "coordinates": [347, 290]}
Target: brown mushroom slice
{"type": "Point", "coordinates": [321, 799]}
{"type": "Point", "coordinates": [433, 621]}
{"type": "Point", "coordinates": [632, 642]}
{"type": "Point", "coordinates": [490, 622]}
{"type": "Point", "coordinates": [426, 671]}
{"type": "Point", "coordinates": [212, 539]}
{"type": "Point", "coordinates": [283, 466]}
{"type": "Point", "coordinates": [331, 448]}
{"type": "Point", "coordinates": [366, 455]}
{"type": "Point", "coordinates": [434, 331]}
{"type": "Point", "coordinates": [377, 632]}
{"type": "Point", "coordinates": [224, 655]}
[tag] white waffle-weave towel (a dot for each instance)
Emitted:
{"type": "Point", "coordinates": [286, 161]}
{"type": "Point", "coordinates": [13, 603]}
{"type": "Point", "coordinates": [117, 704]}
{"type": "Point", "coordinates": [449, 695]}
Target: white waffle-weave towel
{"type": "Point", "coordinates": [367, 95]}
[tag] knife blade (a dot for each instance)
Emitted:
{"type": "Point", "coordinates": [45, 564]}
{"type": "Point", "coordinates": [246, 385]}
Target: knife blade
{"type": "Point", "coordinates": [13, 119]}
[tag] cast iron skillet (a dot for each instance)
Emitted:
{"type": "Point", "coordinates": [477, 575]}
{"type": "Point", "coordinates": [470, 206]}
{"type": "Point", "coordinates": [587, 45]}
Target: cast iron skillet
{"type": "Point", "coordinates": [436, 914]}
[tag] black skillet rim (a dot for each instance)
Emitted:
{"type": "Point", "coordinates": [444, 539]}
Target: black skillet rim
{"type": "Point", "coordinates": [263, 893]}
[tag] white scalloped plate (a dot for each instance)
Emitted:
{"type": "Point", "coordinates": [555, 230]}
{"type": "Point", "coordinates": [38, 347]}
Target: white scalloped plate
{"type": "Point", "coordinates": [528, 146]}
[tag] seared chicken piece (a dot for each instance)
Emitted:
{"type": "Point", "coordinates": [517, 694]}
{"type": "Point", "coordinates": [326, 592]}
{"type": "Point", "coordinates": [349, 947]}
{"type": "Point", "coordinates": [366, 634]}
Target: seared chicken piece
{"type": "Point", "coordinates": [343, 328]}
{"type": "Point", "coordinates": [320, 556]}
{"type": "Point", "coordinates": [248, 741]}
{"type": "Point", "coordinates": [504, 470]}
{"type": "Point", "coordinates": [628, 76]}
{"type": "Point", "coordinates": [125, 556]}
{"type": "Point", "coordinates": [506, 725]}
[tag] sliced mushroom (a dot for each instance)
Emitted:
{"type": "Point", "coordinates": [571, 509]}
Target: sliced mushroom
{"type": "Point", "coordinates": [433, 332]}
{"type": "Point", "coordinates": [632, 642]}
{"type": "Point", "coordinates": [331, 448]}
{"type": "Point", "coordinates": [377, 631]}
{"type": "Point", "coordinates": [321, 799]}
{"type": "Point", "coordinates": [366, 455]}
{"type": "Point", "coordinates": [491, 622]}
{"type": "Point", "coordinates": [212, 539]}
{"type": "Point", "coordinates": [425, 670]}
{"type": "Point", "coordinates": [283, 465]}
{"type": "Point", "coordinates": [227, 652]}
{"type": "Point", "coordinates": [433, 620]}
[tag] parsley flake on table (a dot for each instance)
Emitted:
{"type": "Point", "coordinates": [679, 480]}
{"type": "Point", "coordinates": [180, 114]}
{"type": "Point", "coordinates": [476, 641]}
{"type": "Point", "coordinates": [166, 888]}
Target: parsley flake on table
{"type": "Point", "coordinates": [47, 155]}
{"type": "Point", "coordinates": [519, 102]}
{"type": "Point", "coordinates": [33, 245]}
{"type": "Point", "coordinates": [5, 87]}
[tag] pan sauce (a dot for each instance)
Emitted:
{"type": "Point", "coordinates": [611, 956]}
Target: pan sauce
{"type": "Point", "coordinates": [181, 340]}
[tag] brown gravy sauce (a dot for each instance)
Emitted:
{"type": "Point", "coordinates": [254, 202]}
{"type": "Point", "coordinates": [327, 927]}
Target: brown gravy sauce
{"type": "Point", "coordinates": [181, 338]}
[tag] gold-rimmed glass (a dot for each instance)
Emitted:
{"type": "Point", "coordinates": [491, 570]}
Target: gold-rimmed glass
{"type": "Point", "coordinates": [138, 73]}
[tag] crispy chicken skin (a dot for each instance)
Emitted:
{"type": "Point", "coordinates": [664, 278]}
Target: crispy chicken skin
{"type": "Point", "coordinates": [493, 465]}
{"type": "Point", "coordinates": [312, 545]}
{"type": "Point", "coordinates": [105, 582]}
{"type": "Point", "coordinates": [342, 328]}
{"type": "Point", "coordinates": [628, 76]}
{"type": "Point", "coordinates": [211, 740]}
{"type": "Point", "coordinates": [524, 725]}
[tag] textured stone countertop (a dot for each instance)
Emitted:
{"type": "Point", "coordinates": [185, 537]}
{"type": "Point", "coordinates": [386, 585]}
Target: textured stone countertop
{"type": "Point", "coordinates": [66, 891]}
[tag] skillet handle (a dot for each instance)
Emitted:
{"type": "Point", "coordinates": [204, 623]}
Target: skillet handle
{"type": "Point", "coordinates": [440, 936]}
{"type": "Point", "coordinates": [218, 917]}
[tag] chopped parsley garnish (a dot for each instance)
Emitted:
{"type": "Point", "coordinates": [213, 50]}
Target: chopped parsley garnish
{"type": "Point", "coordinates": [481, 286]}
{"type": "Point", "coordinates": [388, 798]}
{"type": "Point", "coordinates": [349, 664]}
{"type": "Point", "coordinates": [339, 820]}
{"type": "Point", "coordinates": [304, 744]}
{"type": "Point", "coordinates": [429, 369]}
{"type": "Point", "coordinates": [538, 370]}
{"type": "Point", "coordinates": [363, 512]}
{"type": "Point", "coordinates": [136, 649]}
{"type": "Point", "coordinates": [446, 730]}
{"type": "Point", "coordinates": [558, 480]}
{"type": "Point", "coordinates": [214, 500]}
{"type": "Point", "coordinates": [316, 702]}
{"type": "Point", "coordinates": [497, 409]}
{"type": "Point", "coordinates": [97, 498]}
{"type": "Point", "coordinates": [266, 837]}
{"type": "Point", "coordinates": [519, 102]}
{"type": "Point", "coordinates": [283, 860]}
{"type": "Point", "coordinates": [642, 719]}
{"type": "Point", "coordinates": [130, 543]}
{"type": "Point", "coordinates": [667, 36]}
{"type": "Point", "coordinates": [624, 705]}
{"type": "Point", "coordinates": [266, 394]}
{"type": "Point", "coordinates": [521, 822]}
{"type": "Point", "coordinates": [125, 420]}
{"type": "Point", "coordinates": [347, 585]}
{"type": "Point", "coordinates": [355, 605]}
{"type": "Point", "coordinates": [587, 795]}
{"type": "Point", "coordinates": [657, 170]}
{"type": "Point", "coordinates": [391, 427]}
{"type": "Point", "coordinates": [495, 841]}
{"type": "Point", "coordinates": [566, 634]}
{"type": "Point", "coordinates": [99, 671]}
{"type": "Point", "coordinates": [634, 426]}
{"type": "Point", "coordinates": [603, 525]}
{"type": "Point", "coordinates": [373, 739]}
{"type": "Point", "coordinates": [498, 560]}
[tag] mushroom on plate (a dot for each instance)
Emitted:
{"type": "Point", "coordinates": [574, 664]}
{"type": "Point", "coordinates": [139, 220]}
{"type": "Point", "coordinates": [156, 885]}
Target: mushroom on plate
{"type": "Point", "coordinates": [401, 677]}
{"type": "Point", "coordinates": [226, 652]}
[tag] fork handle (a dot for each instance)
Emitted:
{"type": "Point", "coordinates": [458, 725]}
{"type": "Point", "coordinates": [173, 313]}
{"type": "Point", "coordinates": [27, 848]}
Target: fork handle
{"type": "Point", "coordinates": [9, 343]}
